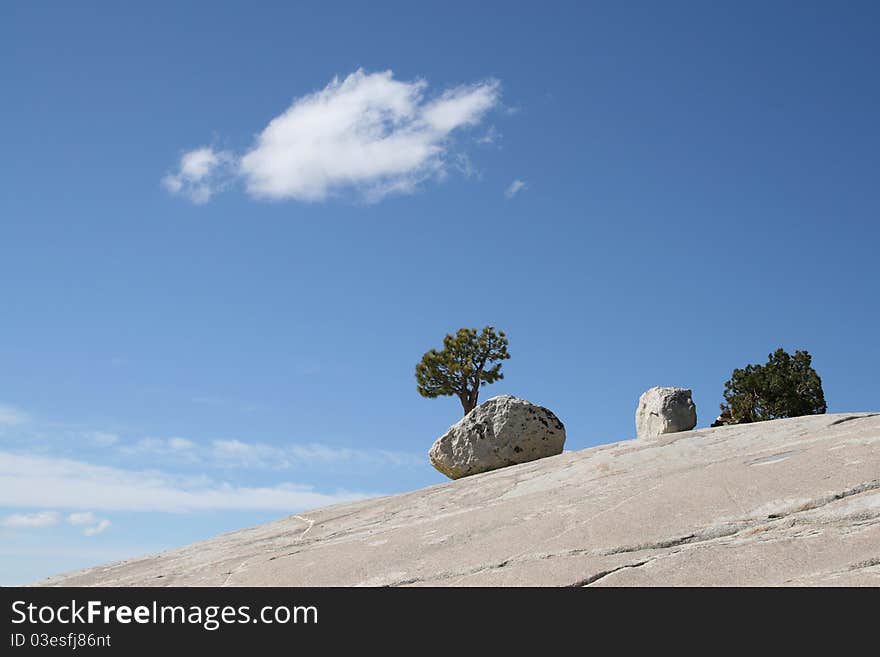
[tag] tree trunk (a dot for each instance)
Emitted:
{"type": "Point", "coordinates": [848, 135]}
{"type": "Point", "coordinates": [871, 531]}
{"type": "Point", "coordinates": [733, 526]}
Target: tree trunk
{"type": "Point", "coordinates": [466, 404]}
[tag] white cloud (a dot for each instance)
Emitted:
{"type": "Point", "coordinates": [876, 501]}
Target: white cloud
{"type": "Point", "coordinates": [200, 174]}
{"type": "Point", "coordinates": [366, 133]}
{"type": "Point", "coordinates": [464, 105]}
{"type": "Point", "coordinates": [179, 451]}
{"type": "Point", "coordinates": [177, 444]}
{"type": "Point", "coordinates": [239, 454]}
{"type": "Point", "coordinates": [82, 518]}
{"type": "Point", "coordinates": [12, 416]}
{"type": "Point", "coordinates": [235, 453]}
{"type": "Point", "coordinates": [30, 520]}
{"type": "Point", "coordinates": [161, 446]}
{"type": "Point", "coordinates": [99, 528]}
{"type": "Point", "coordinates": [93, 524]}
{"type": "Point", "coordinates": [242, 453]}
{"type": "Point", "coordinates": [514, 188]}
{"type": "Point", "coordinates": [46, 482]}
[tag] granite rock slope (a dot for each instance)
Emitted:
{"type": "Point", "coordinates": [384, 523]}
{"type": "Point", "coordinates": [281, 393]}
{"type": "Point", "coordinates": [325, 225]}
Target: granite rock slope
{"type": "Point", "coordinates": [787, 502]}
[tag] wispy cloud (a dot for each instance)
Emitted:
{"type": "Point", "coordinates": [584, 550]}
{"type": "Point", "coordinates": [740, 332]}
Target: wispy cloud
{"type": "Point", "coordinates": [236, 453]}
{"type": "Point", "coordinates": [177, 444]}
{"type": "Point", "coordinates": [10, 416]}
{"type": "Point", "coordinates": [465, 166]}
{"type": "Point", "coordinates": [367, 133]}
{"type": "Point", "coordinates": [514, 188]}
{"type": "Point", "coordinates": [491, 136]}
{"type": "Point", "coordinates": [44, 482]}
{"type": "Point", "coordinates": [82, 518]}
{"type": "Point", "coordinates": [99, 528]}
{"type": "Point", "coordinates": [160, 446]}
{"type": "Point", "coordinates": [200, 174]}
{"type": "Point", "coordinates": [93, 524]}
{"type": "Point", "coordinates": [30, 520]}
{"type": "Point", "coordinates": [178, 451]}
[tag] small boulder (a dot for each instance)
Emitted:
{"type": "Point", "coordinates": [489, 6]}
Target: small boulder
{"type": "Point", "coordinates": [502, 431]}
{"type": "Point", "coordinates": [665, 410]}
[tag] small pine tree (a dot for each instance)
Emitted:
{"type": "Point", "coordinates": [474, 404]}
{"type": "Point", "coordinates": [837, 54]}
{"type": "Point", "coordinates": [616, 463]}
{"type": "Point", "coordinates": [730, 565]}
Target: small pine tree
{"type": "Point", "coordinates": [786, 386]}
{"type": "Point", "coordinates": [463, 365]}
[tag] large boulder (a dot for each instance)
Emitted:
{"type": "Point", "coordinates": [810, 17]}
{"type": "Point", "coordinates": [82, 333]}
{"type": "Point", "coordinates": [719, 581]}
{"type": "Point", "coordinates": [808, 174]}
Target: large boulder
{"type": "Point", "coordinates": [501, 431]}
{"type": "Point", "coordinates": [665, 410]}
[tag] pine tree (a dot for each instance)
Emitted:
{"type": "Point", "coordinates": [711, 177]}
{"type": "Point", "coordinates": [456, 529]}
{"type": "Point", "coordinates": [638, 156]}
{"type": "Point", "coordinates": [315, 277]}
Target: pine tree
{"type": "Point", "coordinates": [785, 386]}
{"type": "Point", "coordinates": [463, 365]}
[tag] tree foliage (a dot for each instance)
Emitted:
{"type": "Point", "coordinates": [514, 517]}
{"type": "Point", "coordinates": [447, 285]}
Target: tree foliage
{"type": "Point", "coordinates": [463, 365]}
{"type": "Point", "coordinates": [785, 386]}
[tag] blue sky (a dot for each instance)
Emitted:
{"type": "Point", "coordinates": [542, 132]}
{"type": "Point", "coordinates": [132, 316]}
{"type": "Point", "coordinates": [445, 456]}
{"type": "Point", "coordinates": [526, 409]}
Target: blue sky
{"type": "Point", "coordinates": [228, 231]}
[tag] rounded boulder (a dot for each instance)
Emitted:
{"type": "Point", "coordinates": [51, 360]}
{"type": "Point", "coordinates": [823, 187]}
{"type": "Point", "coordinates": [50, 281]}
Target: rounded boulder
{"type": "Point", "coordinates": [502, 431]}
